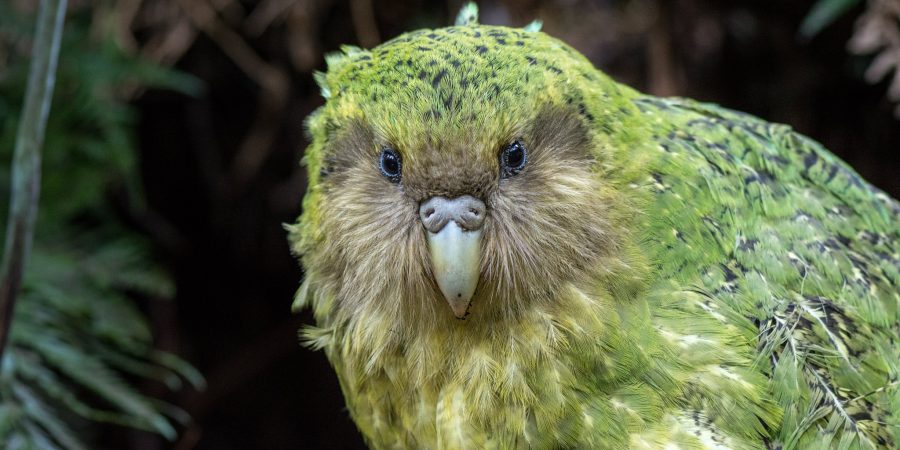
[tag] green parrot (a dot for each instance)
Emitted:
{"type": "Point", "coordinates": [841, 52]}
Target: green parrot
{"type": "Point", "coordinates": [505, 248]}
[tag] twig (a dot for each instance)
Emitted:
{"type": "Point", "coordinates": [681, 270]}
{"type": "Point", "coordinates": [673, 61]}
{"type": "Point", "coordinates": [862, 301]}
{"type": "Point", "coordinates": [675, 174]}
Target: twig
{"type": "Point", "coordinates": [364, 23]}
{"type": "Point", "coordinates": [302, 26]}
{"type": "Point", "coordinates": [204, 17]}
{"type": "Point", "coordinates": [125, 12]}
{"type": "Point", "coordinates": [169, 45]}
{"type": "Point", "coordinates": [265, 13]}
{"type": "Point", "coordinates": [26, 174]}
{"type": "Point", "coordinates": [257, 145]}
{"type": "Point", "coordinates": [662, 69]}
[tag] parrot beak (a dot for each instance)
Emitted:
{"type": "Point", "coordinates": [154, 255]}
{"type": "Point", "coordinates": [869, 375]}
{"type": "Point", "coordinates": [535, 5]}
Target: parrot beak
{"type": "Point", "coordinates": [454, 243]}
{"type": "Point", "coordinates": [456, 261]}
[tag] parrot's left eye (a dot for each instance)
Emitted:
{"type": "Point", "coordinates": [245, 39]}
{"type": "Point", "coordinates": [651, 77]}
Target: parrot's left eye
{"type": "Point", "coordinates": [390, 164]}
{"type": "Point", "coordinates": [513, 159]}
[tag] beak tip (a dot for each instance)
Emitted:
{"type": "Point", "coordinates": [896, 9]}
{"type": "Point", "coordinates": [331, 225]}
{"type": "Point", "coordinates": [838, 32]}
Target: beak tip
{"type": "Point", "coordinates": [460, 307]}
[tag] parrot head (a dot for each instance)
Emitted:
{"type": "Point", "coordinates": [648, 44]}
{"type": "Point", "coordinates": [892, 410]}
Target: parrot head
{"type": "Point", "coordinates": [461, 175]}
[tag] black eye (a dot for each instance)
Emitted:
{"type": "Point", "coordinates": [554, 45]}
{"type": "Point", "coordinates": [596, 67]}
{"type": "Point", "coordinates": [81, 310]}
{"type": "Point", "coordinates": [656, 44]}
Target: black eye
{"type": "Point", "coordinates": [390, 164]}
{"type": "Point", "coordinates": [513, 159]}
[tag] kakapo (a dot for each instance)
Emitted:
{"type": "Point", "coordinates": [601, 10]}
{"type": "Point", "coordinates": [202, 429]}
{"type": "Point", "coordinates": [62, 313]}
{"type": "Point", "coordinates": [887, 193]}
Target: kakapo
{"type": "Point", "coordinates": [505, 248]}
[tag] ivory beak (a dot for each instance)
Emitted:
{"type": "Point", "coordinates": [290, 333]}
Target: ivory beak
{"type": "Point", "coordinates": [456, 262]}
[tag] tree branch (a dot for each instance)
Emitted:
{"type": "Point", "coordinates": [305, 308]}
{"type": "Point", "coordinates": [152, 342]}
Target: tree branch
{"type": "Point", "coordinates": [364, 23]}
{"type": "Point", "coordinates": [26, 173]}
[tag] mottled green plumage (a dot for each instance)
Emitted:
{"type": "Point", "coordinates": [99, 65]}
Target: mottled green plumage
{"type": "Point", "coordinates": [663, 274]}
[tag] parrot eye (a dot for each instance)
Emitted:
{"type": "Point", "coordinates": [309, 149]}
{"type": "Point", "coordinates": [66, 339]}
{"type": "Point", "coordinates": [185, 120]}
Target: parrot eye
{"type": "Point", "coordinates": [513, 159]}
{"type": "Point", "coordinates": [390, 164]}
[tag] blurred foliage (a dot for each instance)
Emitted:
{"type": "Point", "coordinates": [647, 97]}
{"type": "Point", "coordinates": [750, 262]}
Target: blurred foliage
{"type": "Point", "coordinates": [824, 13]}
{"type": "Point", "coordinates": [79, 341]}
{"type": "Point", "coordinates": [877, 33]}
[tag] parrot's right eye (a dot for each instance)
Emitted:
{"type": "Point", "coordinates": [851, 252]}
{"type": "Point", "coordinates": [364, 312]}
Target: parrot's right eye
{"type": "Point", "coordinates": [390, 164]}
{"type": "Point", "coordinates": [513, 159]}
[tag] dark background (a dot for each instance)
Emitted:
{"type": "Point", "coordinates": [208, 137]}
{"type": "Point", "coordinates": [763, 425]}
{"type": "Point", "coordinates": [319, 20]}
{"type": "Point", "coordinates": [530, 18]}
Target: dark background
{"type": "Point", "coordinates": [221, 170]}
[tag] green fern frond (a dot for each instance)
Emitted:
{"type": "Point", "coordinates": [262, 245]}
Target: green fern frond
{"type": "Point", "coordinates": [78, 336]}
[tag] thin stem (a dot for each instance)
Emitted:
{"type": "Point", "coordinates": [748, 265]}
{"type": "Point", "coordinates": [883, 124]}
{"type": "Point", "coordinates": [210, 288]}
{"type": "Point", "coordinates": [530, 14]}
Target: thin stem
{"type": "Point", "coordinates": [26, 173]}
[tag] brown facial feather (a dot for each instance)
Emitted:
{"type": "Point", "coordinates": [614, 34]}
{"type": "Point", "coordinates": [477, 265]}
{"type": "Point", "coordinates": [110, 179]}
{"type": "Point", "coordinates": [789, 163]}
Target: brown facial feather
{"type": "Point", "coordinates": [545, 226]}
{"type": "Point", "coordinates": [447, 169]}
{"type": "Point", "coordinates": [548, 225]}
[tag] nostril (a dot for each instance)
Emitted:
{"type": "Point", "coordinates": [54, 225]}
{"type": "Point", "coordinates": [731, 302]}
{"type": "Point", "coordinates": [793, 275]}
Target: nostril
{"type": "Point", "coordinates": [466, 211]}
